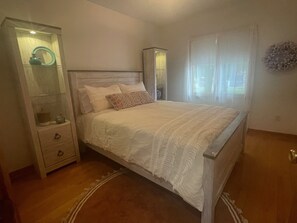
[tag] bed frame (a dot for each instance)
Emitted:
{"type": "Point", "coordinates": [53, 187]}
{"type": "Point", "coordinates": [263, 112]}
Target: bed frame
{"type": "Point", "coordinates": [219, 158]}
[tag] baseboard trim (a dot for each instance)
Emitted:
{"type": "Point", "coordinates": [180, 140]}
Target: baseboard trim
{"type": "Point", "coordinates": [21, 172]}
{"type": "Point", "coordinates": [271, 133]}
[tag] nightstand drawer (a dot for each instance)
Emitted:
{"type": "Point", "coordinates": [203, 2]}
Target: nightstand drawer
{"type": "Point", "coordinates": [55, 136]}
{"type": "Point", "coordinates": [56, 154]}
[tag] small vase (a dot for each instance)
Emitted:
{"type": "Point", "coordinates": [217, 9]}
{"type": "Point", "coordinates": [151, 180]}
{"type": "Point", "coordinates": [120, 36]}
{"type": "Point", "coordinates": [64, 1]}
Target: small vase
{"type": "Point", "coordinates": [44, 118]}
{"type": "Point", "coordinates": [159, 93]}
{"type": "Point", "coordinates": [60, 119]}
{"type": "Point", "coordinates": [34, 60]}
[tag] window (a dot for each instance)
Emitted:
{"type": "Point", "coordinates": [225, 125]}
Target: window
{"type": "Point", "coordinates": [221, 69]}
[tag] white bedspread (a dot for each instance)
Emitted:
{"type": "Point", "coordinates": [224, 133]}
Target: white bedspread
{"type": "Point", "coordinates": [166, 138]}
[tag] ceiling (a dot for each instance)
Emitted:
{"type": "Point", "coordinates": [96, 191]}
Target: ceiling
{"type": "Point", "coordinates": [160, 12]}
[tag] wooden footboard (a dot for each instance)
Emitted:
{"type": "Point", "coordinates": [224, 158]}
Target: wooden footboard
{"type": "Point", "coordinates": [219, 160]}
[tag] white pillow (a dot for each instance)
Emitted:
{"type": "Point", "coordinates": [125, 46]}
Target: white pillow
{"type": "Point", "coordinates": [84, 101]}
{"type": "Point", "coordinates": [97, 96]}
{"type": "Point", "coordinates": [132, 88]}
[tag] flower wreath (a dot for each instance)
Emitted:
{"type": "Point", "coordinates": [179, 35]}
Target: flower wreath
{"type": "Point", "coordinates": [281, 56]}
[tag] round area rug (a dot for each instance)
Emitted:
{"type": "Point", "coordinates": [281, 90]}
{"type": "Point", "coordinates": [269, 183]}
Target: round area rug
{"type": "Point", "coordinates": [125, 197]}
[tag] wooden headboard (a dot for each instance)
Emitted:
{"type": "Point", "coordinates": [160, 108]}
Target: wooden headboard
{"type": "Point", "coordinates": [98, 78]}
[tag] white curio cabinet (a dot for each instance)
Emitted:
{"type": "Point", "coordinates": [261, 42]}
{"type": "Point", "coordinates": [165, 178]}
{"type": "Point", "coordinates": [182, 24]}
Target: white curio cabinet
{"type": "Point", "coordinates": [36, 54]}
{"type": "Point", "coordinates": [155, 72]}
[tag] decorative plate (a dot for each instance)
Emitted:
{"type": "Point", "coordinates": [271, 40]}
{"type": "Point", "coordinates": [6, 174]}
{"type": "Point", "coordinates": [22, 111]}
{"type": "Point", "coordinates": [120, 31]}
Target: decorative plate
{"type": "Point", "coordinates": [41, 52]}
{"type": "Point", "coordinates": [281, 56]}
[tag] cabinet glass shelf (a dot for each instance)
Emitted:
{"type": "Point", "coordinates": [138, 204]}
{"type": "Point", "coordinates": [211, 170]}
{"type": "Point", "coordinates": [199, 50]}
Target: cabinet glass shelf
{"type": "Point", "coordinates": [48, 95]}
{"type": "Point", "coordinates": [42, 66]}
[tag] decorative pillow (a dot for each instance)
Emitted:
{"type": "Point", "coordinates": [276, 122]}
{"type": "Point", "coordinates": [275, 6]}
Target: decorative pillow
{"type": "Point", "coordinates": [97, 96]}
{"type": "Point", "coordinates": [127, 100]}
{"type": "Point", "coordinates": [120, 101]}
{"type": "Point", "coordinates": [141, 97]}
{"type": "Point", "coordinates": [84, 101]}
{"type": "Point", "coordinates": [132, 88]}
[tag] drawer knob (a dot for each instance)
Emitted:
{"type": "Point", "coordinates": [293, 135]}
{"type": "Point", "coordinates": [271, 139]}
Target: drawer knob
{"type": "Point", "coordinates": [57, 136]}
{"type": "Point", "coordinates": [60, 153]}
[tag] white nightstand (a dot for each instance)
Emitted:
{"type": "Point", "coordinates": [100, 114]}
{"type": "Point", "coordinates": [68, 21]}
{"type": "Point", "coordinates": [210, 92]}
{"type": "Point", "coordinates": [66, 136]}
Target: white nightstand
{"type": "Point", "coordinates": [57, 145]}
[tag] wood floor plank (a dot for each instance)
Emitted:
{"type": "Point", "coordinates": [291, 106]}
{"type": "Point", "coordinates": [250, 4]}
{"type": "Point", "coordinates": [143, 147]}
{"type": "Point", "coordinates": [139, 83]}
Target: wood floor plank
{"type": "Point", "coordinates": [48, 200]}
{"type": "Point", "coordinates": [263, 183]}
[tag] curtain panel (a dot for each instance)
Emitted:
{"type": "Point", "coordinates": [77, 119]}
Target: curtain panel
{"type": "Point", "coordinates": [221, 68]}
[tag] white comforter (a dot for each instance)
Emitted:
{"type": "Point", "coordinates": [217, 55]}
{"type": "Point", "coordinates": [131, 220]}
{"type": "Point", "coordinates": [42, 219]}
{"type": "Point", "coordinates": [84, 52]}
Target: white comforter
{"type": "Point", "coordinates": [166, 138]}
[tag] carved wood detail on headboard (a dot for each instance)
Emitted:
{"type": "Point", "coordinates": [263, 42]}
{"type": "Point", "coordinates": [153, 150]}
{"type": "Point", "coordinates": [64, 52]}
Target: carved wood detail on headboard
{"type": "Point", "coordinates": [98, 78]}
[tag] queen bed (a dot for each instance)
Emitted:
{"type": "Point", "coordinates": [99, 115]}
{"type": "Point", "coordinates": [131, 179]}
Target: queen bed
{"type": "Point", "coordinates": [188, 149]}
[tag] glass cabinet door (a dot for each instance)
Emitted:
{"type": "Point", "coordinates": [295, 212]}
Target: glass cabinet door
{"type": "Point", "coordinates": [161, 74]}
{"type": "Point", "coordinates": [44, 74]}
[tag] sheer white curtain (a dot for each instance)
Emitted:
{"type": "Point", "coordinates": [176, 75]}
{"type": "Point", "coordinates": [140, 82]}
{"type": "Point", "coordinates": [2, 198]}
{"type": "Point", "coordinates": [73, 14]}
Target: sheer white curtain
{"type": "Point", "coordinates": [221, 68]}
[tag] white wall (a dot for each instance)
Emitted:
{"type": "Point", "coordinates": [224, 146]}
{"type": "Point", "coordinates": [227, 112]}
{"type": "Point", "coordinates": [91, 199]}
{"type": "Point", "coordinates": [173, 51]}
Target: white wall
{"type": "Point", "coordinates": [274, 94]}
{"type": "Point", "coordinates": [13, 140]}
{"type": "Point", "coordinates": [94, 38]}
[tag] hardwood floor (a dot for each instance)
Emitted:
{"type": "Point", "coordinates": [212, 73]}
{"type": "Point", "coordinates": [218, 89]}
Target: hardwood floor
{"type": "Point", "coordinates": [263, 183]}
{"type": "Point", "coordinates": [48, 200]}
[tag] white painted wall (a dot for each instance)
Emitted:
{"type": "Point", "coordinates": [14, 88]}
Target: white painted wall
{"type": "Point", "coordinates": [94, 38]}
{"type": "Point", "coordinates": [274, 94]}
{"type": "Point", "coordinates": [13, 136]}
